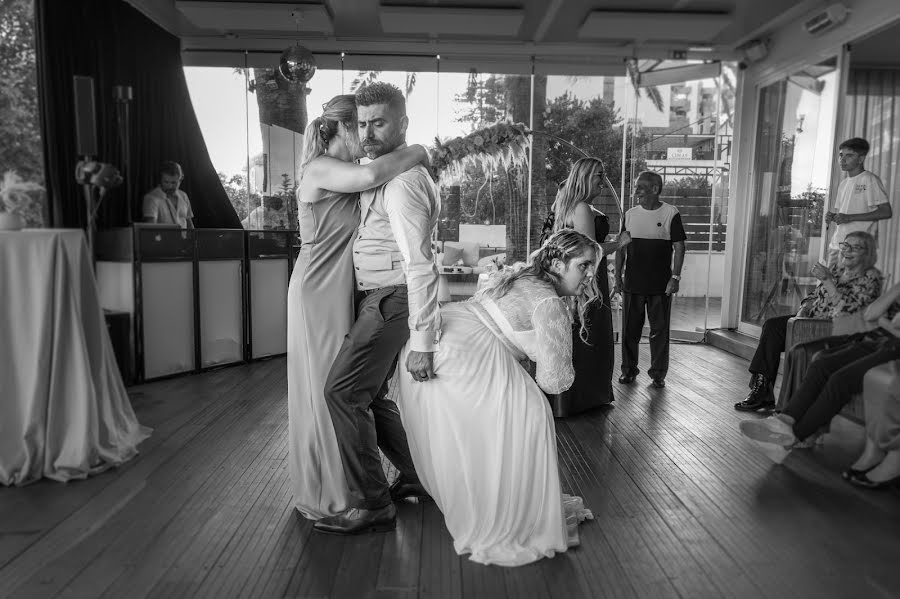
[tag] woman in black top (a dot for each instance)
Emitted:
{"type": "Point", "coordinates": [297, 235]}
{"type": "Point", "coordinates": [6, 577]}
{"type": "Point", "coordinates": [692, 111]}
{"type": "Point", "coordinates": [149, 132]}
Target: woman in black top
{"type": "Point", "coordinates": [593, 358]}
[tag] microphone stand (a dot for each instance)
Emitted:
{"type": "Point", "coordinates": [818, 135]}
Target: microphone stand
{"type": "Point", "coordinates": [123, 96]}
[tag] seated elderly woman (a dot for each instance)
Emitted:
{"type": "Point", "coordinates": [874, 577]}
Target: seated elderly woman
{"type": "Point", "coordinates": [879, 465]}
{"type": "Point", "coordinates": [833, 377]}
{"type": "Point", "coordinates": [843, 289]}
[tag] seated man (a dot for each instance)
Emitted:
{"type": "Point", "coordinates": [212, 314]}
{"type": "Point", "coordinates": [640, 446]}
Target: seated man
{"type": "Point", "coordinates": [166, 203]}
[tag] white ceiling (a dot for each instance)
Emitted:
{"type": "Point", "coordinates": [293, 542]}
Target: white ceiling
{"type": "Point", "coordinates": [558, 36]}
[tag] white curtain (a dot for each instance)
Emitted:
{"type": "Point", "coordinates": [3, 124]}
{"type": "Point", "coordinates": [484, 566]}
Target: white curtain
{"type": "Point", "coordinates": [873, 112]}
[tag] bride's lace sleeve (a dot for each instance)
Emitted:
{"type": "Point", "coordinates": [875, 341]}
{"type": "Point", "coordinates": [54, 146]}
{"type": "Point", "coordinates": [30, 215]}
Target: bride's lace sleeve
{"type": "Point", "coordinates": [553, 331]}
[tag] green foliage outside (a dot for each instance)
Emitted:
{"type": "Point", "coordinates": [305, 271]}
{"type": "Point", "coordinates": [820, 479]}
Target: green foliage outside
{"type": "Point", "coordinates": [20, 128]}
{"type": "Point", "coordinates": [593, 126]}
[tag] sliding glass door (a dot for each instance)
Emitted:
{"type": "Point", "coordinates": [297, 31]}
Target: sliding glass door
{"type": "Point", "coordinates": [789, 189]}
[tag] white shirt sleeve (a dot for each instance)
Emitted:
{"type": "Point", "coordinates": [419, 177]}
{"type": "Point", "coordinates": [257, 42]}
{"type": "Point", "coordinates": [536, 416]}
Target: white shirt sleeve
{"type": "Point", "coordinates": [189, 212]}
{"type": "Point", "coordinates": [410, 208]}
{"type": "Point", "coordinates": [150, 207]}
{"type": "Point", "coordinates": [876, 194]}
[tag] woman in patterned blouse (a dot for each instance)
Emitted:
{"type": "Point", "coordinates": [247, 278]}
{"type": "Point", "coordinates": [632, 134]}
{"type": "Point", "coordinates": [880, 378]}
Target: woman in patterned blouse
{"type": "Point", "coordinates": [843, 289]}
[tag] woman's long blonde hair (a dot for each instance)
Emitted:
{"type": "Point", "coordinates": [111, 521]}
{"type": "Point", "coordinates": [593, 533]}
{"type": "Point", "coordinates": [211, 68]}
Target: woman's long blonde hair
{"type": "Point", "coordinates": [321, 130]}
{"type": "Point", "coordinates": [565, 245]}
{"type": "Point", "coordinates": [576, 190]}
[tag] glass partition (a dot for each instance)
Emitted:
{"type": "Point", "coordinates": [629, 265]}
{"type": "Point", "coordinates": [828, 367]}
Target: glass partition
{"type": "Point", "coordinates": [478, 125]}
{"type": "Point", "coordinates": [792, 169]}
{"type": "Point", "coordinates": [683, 131]}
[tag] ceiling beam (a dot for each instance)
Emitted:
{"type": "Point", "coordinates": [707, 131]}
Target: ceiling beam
{"type": "Point", "coordinates": [437, 21]}
{"type": "Point", "coordinates": [547, 20]}
{"type": "Point", "coordinates": [355, 18]}
{"type": "Point", "coordinates": [256, 16]}
{"type": "Point", "coordinates": [640, 26]}
{"type": "Point", "coordinates": [163, 13]}
{"type": "Point", "coordinates": [419, 47]}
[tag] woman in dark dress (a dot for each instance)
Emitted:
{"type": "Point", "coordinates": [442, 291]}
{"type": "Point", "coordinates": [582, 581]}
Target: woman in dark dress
{"type": "Point", "coordinates": [593, 359]}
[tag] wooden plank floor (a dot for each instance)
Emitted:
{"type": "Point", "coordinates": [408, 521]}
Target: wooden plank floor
{"type": "Point", "coordinates": [684, 508]}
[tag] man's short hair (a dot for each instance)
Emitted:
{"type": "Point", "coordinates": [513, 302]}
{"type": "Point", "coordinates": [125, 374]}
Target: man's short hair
{"type": "Point", "coordinates": [173, 169]}
{"type": "Point", "coordinates": [856, 144]}
{"type": "Point", "coordinates": [381, 93]}
{"type": "Point", "coordinates": [657, 180]}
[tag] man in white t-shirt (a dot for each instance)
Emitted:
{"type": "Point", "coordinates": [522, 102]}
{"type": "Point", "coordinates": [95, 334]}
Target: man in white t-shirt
{"type": "Point", "coordinates": [165, 203]}
{"type": "Point", "coordinates": [861, 198]}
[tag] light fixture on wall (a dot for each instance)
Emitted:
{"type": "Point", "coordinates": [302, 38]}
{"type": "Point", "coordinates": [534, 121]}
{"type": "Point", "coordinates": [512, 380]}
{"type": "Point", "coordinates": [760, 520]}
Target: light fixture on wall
{"type": "Point", "coordinates": [826, 19]}
{"type": "Point", "coordinates": [753, 52]}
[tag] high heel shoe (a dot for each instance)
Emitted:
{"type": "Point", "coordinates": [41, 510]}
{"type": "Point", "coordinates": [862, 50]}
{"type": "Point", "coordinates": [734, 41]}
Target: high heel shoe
{"type": "Point", "coordinates": [853, 472]}
{"type": "Point", "coordinates": [865, 482]}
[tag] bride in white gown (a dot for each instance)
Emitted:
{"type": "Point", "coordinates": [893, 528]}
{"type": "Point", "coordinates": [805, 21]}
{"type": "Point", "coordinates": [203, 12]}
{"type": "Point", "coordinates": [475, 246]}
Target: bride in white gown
{"type": "Point", "coordinates": [481, 432]}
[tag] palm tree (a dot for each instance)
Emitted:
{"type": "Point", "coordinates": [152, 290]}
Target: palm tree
{"type": "Point", "coordinates": [651, 92]}
{"type": "Point", "coordinates": [281, 103]}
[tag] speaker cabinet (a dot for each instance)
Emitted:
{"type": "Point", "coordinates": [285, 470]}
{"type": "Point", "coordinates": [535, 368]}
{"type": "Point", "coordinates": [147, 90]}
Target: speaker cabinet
{"type": "Point", "coordinates": [220, 262]}
{"type": "Point", "coordinates": [165, 271]}
{"type": "Point", "coordinates": [269, 254]}
{"type": "Point", "coordinates": [85, 116]}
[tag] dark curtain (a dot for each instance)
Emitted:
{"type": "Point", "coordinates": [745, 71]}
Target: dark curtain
{"type": "Point", "coordinates": [116, 45]}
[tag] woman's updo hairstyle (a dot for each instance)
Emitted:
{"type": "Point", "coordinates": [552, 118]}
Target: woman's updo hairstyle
{"type": "Point", "coordinates": [321, 130]}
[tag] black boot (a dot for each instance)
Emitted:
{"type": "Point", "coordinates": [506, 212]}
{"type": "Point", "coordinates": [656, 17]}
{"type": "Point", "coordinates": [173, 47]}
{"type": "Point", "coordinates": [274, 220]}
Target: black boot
{"type": "Point", "coordinates": [760, 397]}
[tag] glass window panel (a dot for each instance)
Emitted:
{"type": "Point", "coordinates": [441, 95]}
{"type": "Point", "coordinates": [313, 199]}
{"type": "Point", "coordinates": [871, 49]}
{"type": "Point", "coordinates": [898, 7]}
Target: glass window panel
{"type": "Point", "coordinates": [219, 97]}
{"type": "Point", "coordinates": [485, 207]}
{"type": "Point", "coordinates": [790, 179]}
{"type": "Point", "coordinates": [682, 131]}
{"type": "Point", "coordinates": [19, 110]}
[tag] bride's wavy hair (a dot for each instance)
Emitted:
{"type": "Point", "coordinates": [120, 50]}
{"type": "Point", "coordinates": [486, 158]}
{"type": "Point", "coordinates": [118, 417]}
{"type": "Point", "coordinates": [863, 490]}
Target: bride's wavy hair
{"type": "Point", "coordinates": [321, 130]}
{"type": "Point", "coordinates": [565, 245]}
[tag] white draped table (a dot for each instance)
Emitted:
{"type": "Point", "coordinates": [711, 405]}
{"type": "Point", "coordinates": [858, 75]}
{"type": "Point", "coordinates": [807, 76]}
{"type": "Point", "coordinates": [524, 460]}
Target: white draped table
{"type": "Point", "coordinates": [64, 411]}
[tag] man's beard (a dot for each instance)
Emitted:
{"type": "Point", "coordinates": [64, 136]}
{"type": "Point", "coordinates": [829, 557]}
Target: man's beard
{"type": "Point", "coordinates": [379, 148]}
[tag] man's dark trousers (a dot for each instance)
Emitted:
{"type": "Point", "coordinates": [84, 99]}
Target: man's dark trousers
{"type": "Point", "coordinates": [658, 309]}
{"type": "Point", "coordinates": [355, 393]}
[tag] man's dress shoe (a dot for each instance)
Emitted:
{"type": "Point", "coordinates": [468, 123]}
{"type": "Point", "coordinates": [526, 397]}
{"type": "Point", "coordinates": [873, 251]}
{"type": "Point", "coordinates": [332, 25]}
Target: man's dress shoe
{"type": "Point", "coordinates": [626, 379]}
{"type": "Point", "coordinates": [402, 490]}
{"type": "Point", "coordinates": [355, 521]}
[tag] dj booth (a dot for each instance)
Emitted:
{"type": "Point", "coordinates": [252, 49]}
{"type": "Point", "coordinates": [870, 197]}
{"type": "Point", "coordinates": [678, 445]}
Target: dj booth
{"type": "Point", "coordinates": [183, 301]}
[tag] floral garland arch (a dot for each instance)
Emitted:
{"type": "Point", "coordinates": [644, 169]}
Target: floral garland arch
{"type": "Point", "coordinates": [504, 144]}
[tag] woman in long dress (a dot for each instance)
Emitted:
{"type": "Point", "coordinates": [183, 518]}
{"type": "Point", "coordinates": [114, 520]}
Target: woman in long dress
{"type": "Point", "coordinates": [481, 432]}
{"type": "Point", "coordinates": [321, 292]}
{"type": "Point", "coordinates": [594, 356]}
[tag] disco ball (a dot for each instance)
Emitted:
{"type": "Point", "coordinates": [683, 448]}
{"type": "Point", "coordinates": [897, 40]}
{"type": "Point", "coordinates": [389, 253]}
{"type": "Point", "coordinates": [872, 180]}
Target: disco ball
{"type": "Point", "coordinates": [297, 64]}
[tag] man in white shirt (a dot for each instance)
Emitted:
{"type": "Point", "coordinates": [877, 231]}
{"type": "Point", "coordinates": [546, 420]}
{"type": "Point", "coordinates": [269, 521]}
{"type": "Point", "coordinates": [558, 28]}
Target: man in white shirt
{"type": "Point", "coordinates": [861, 198]}
{"type": "Point", "coordinates": [398, 280]}
{"type": "Point", "coordinates": [165, 203]}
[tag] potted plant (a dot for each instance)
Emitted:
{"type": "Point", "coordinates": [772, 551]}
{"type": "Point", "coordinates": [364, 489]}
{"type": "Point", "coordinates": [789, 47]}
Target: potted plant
{"type": "Point", "coordinates": [15, 196]}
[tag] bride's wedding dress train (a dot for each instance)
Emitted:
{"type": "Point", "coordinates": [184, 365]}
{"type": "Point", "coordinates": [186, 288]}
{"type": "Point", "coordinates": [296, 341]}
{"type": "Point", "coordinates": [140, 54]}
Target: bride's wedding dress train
{"type": "Point", "coordinates": [482, 434]}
